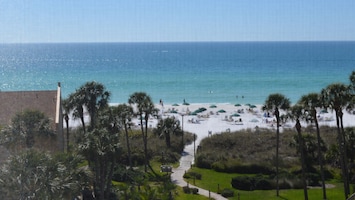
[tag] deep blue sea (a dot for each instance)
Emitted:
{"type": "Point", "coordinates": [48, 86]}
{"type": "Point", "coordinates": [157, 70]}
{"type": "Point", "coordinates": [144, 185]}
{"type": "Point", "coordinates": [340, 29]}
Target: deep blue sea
{"type": "Point", "coordinates": [204, 72]}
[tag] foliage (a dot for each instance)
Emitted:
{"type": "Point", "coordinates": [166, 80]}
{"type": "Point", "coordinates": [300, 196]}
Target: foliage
{"type": "Point", "coordinates": [101, 148]}
{"type": "Point", "coordinates": [192, 174]}
{"type": "Point", "coordinates": [91, 96]}
{"type": "Point", "coordinates": [226, 192]}
{"type": "Point", "coordinates": [145, 108]}
{"type": "Point", "coordinates": [189, 190]}
{"type": "Point", "coordinates": [27, 128]}
{"type": "Point", "coordinates": [37, 175]}
{"type": "Point", "coordinates": [167, 127]}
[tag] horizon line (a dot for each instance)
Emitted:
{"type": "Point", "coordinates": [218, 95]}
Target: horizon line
{"type": "Point", "coordinates": [216, 41]}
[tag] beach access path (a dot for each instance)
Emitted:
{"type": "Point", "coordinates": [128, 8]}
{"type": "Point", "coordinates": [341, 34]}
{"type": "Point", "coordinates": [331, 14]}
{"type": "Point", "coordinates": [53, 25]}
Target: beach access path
{"type": "Point", "coordinates": [187, 158]}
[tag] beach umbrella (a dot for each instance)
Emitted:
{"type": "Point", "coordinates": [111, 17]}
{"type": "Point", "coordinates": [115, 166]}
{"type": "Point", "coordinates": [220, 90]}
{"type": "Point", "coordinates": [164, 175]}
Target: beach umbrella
{"type": "Point", "coordinates": [175, 104]}
{"type": "Point", "coordinates": [202, 109]}
{"type": "Point", "coordinates": [221, 111]}
{"type": "Point", "coordinates": [252, 106]}
{"type": "Point", "coordinates": [173, 111]}
{"type": "Point", "coordinates": [186, 104]}
{"type": "Point", "coordinates": [213, 106]}
{"type": "Point", "coordinates": [235, 115]}
{"type": "Point", "coordinates": [237, 104]}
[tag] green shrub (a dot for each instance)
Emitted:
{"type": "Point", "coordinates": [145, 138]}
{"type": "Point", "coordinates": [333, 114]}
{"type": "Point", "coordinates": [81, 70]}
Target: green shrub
{"type": "Point", "coordinates": [204, 161]}
{"type": "Point", "coordinates": [243, 183]}
{"type": "Point", "coordinates": [195, 175]}
{"type": "Point", "coordinates": [233, 166]}
{"type": "Point", "coordinates": [186, 189]}
{"type": "Point", "coordinates": [194, 190]}
{"type": "Point", "coordinates": [227, 193]}
{"type": "Point", "coordinates": [263, 184]}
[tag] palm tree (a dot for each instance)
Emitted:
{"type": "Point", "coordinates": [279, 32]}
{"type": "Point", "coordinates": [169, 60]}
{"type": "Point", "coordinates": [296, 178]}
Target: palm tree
{"type": "Point", "coordinates": [145, 108]}
{"type": "Point", "coordinates": [95, 97]}
{"type": "Point", "coordinates": [124, 114]}
{"type": "Point", "coordinates": [66, 118]}
{"type": "Point", "coordinates": [275, 102]}
{"type": "Point", "coordinates": [75, 103]}
{"type": "Point", "coordinates": [296, 113]}
{"type": "Point", "coordinates": [310, 102]}
{"type": "Point", "coordinates": [351, 105]}
{"type": "Point", "coordinates": [336, 97]}
{"type": "Point", "coordinates": [166, 127]}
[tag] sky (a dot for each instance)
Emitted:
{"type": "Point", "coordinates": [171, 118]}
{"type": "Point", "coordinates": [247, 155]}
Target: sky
{"type": "Point", "coordinates": [58, 21]}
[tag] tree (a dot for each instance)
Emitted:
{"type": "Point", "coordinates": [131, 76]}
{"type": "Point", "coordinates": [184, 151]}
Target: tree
{"type": "Point", "coordinates": [166, 127]}
{"type": "Point", "coordinates": [66, 112]}
{"type": "Point", "coordinates": [36, 175]}
{"type": "Point", "coordinates": [336, 97]}
{"type": "Point", "coordinates": [296, 113]}
{"type": "Point", "coordinates": [124, 114]}
{"type": "Point", "coordinates": [102, 148]}
{"type": "Point", "coordinates": [92, 96]}
{"type": "Point", "coordinates": [275, 102]}
{"type": "Point", "coordinates": [95, 98]}
{"type": "Point", "coordinates": [310, 103]}
{"type": "Point", "coordinates": [25, 127]}
{"type": "Point", "coordinates": [145, 108]}
{"type": "Point", "coordinates": [75, 103]}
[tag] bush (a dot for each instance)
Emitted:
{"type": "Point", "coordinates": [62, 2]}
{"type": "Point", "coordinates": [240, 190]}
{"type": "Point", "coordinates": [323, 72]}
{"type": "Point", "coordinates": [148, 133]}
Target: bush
{"type": "Point", "coordinates": [195, 175]}
{"type": "Point", "coordinates": [263, 184]}
{"type": "Point", "coordinates": [243, 183]}
{"type": "Point", "coordinates": [227, 193]}
{"type": "Point", "coordinates": [233, 166]}
{"type": "Point", "coordinates": [194, 190]}
{"type": "Point", "coordinates": [188, 190]}
{"type": "Point", "coordinates": [204, 161]}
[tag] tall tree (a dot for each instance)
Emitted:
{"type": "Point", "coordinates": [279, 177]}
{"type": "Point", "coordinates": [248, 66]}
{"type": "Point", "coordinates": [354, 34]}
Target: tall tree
{"type": "Point", "coordinates": [75, 103]}
{"type": "Point", "coordinates": [166, 127]}
{"type": "Point", "coordinates": [336, 97]}
{"type": "Point", "coordinates": [66, 112]}
{"type": "Point", "coordinates": [95, 97]}
{"type": "Point", "coordinates": [145, 108]}
{"type": "Point", "coordinates": [310, 103]}
{"type": "Point", "coordinates": [124, 114]}
{"type": "Point", "coordinates": [296, 113]}
{"type": "Point", "coordinates": [101, 147]}
{"type": "Point", "coordinates": [276, 102]}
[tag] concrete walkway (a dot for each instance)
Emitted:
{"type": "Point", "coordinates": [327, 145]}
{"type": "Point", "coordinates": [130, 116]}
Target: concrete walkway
{"type": "Point", "coordinates": [185, 164]}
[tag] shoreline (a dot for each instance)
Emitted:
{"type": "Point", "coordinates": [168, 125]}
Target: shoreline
{"type": "Point", "coordinates": [221, 117]}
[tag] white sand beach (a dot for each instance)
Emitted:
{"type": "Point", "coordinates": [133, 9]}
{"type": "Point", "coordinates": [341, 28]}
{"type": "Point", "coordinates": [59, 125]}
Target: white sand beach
{"type": "Point", "coordinates": [213, 120]}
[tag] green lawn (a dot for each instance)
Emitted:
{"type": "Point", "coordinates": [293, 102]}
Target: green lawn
{"type": "Point", "coordinates": [211, 180]}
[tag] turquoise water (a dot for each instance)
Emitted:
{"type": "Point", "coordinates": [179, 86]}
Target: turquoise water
{"type": "Point", "coordinates": [226, 72]}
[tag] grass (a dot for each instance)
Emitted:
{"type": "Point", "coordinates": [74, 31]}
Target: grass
{"type": "Point", "coordinates": [211, 180]}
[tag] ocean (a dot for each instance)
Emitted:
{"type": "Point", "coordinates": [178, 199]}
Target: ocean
{"type": "Point", "coordinates": [199, 72]}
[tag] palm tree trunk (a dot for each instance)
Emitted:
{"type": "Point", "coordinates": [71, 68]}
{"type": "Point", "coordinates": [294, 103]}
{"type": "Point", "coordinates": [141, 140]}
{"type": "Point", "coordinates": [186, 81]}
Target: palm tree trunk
{"type": "Point", "coordinates": [83, 123]}
{"type": "Point", "coordinates": [146, 143]}
{"type": "Point", "coordinates": [341, 149]}
{"type": "Point", "coordinates": [128, 146]}
{"type": "Point", "coordinates": [345, 154]}
{"type": "Point", "coordinates": [301, 149]}
{"type": "Point", "coordinates": [67, 123]}
{"type": "Point", "coordinates": [143, 137]}
{"type": "Point", "coordinates": [320, 155]}
{"type": "Point", "coordinates": [277, 114]}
